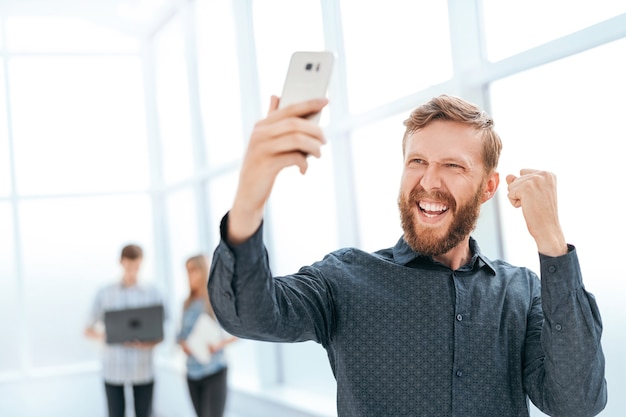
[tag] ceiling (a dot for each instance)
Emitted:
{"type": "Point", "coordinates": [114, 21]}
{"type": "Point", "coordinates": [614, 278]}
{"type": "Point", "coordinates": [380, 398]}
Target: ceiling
{"type": "Point", "coordinates": [132, 17]}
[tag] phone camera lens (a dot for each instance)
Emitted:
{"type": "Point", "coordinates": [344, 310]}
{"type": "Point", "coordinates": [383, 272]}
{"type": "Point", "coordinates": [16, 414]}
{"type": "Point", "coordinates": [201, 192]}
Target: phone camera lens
{"type": "Point", "coordinates": [308, 66]}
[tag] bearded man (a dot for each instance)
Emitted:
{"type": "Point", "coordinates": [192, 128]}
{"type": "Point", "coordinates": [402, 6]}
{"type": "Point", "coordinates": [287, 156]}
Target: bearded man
{"type": "Point", "coordinates": [431, 326]}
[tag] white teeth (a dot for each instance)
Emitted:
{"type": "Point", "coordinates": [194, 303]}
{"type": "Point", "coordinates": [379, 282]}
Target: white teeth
{"type": "Point", "coordinates": [432, 206]}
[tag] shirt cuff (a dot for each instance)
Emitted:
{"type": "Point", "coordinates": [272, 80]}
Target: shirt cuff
{"type": "Point", "coordinates": [560, 274]}
{"type": "Point", "coordinates": [249, 249]}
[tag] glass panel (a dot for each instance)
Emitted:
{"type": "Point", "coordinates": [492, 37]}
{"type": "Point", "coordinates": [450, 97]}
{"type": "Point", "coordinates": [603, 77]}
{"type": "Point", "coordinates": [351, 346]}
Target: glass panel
{"type": "Point", "coordinates": [377, 151]}
{"type": "Point", "coordinates": [5, 160]}
{"type": "Point", "coordinates": [221, 193]}
{"type": "Point", "coordinates": [301, 21]}
{"type": "Point", "coordinates": [313, 375]}
{"type": "Point", "coordinates": [65, 34]}
{"type": "Point", "coordinates": [219, 84]}
{"type": "Point", "coordinates": [182, 241]}
{"type": "Point", "coordinates": [173, 103]}
{"type": "Point", "coordinates": [10, 317]}
{"type": "Point", "coordinates": [393, 49]}
{"type": "Point", "coordinates": [303, 206]}
{"type": "Point", "coordinates": [567, 117]}
{"type": "Point", "coordinates": [71, 249]}
{"type": "Point", "coordinates": [505, 21]}
{"type": "Point", "coordinates": [243, 364]}
{"type": "Point", "coordinates": [556, 97]}
{"type": "Point", "coordinates": [78, 124]}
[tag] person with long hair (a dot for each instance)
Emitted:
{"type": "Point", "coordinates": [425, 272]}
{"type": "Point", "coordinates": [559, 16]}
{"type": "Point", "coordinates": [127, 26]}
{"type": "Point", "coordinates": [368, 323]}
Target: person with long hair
{"type": "Point", "coordinates": [207, 381]}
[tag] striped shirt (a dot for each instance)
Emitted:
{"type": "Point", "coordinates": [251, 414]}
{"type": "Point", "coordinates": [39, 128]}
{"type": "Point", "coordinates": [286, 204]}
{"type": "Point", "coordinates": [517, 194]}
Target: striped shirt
{"type": "Point", "coordinates": [123, 364]}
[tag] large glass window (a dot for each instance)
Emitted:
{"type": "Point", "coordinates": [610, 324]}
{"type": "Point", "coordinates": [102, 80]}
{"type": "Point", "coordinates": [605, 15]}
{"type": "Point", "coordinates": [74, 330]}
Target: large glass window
{"type": "Point", "coordinates": [298, 27]}
{"type": "Point", "coordinates": [313, 375]}
{"type": "Point", "coordinates": [182, 241]}
{"type": "Point", "coordinates": [244, 364]}
{"type": "Point", "coordinates": [515, 26]}
{"type": "Point", "coordinates": [303, 205]}
{"type": "Point", "coordinates": [78, 124]}
{"type": "Point", "coordinates": [60, 34]}
{"type": "Point", "coordinates": [173, 102]}
{"type": "Point", "coordinates": [5, 167]}
{"type": "Point", "coordinates": [393, 49]}
{"type": "Point", "coordinates": [9, 297]}
{"type": "Point", "coordinates": [221, 193]}
{"type": "Point", "coordinates": [71, 248]}
{"type": "Point", "coordinates": [374, 147]}
{"type": "Point", "coordinates": [81, 152]}
{"type": "Point", "coordinates": [567, 117]}
{"type": "Point", "coordinates": [218, 76]}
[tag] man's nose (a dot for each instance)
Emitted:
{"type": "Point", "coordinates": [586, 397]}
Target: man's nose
{"type": "Point", "coordinates": [431, 180]}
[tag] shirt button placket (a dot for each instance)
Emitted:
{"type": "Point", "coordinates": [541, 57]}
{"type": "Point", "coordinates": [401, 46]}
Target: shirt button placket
{"type": "Point", "coordinates": [461, 323]}
{"type": "Point", "coordinates": [459, 318]}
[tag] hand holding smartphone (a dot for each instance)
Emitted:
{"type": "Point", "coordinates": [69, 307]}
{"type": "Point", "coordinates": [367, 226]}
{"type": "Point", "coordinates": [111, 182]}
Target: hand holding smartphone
{"type": "Point", "coordinates": [308, 77]}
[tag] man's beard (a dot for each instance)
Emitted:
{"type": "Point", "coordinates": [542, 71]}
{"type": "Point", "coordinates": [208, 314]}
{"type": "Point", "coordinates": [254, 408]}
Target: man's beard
{"type": "Point", "coordinates": [427, 240]}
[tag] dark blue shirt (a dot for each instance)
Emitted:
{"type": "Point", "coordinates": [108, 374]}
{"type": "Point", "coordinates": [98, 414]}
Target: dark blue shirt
{"type": "Point", "coordinates": [407, 336]}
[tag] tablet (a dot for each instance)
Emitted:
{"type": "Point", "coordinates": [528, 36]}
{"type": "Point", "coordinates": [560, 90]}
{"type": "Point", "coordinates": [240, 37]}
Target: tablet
{"type": "Point", "coordinates": [205, 332]}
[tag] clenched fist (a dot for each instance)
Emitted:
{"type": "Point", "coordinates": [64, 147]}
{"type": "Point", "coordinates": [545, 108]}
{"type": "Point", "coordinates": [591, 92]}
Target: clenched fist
{"type": "Point", "coordinates": [535, 192]}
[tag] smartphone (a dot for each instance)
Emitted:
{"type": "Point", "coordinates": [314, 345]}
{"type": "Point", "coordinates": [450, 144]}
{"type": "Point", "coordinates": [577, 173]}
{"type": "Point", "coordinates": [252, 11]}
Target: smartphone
{"type": "Point", "coordinates": [308, 76]}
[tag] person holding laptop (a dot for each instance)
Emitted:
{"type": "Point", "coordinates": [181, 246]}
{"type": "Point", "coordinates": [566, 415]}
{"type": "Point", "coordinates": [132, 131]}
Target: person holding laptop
{"type": "Point", "coordinates": [203, 341]}
{"type": "Point", "coordinates": [129, 362]}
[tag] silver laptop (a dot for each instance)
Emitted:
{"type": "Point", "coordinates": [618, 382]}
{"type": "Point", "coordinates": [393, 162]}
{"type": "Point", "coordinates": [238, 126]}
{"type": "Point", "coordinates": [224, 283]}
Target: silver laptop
{"type": "Point", "coordinates": [143, 324]}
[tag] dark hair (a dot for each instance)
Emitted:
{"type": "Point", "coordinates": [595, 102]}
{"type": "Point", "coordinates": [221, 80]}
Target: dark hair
{"type": "Point", "coordinates": [132, 252]}
{"type": "Point", "coordinates": [455, 109]}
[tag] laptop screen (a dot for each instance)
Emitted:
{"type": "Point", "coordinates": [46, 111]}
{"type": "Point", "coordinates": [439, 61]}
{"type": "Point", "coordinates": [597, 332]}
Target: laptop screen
{"type": "Point", "coordinates": [143, 324]}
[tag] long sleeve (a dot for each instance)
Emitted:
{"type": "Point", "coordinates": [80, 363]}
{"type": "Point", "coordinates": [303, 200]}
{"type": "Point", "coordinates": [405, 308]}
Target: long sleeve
{"type": "Point", "coordinates": [564, 362]}
{"type": "Point", "coordinates": [250, 303]}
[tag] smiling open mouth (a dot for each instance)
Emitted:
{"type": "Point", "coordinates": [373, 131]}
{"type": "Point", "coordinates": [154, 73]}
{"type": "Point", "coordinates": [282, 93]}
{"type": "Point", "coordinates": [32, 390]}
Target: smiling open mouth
{"type": "Point", "coordinates": [432, 209]}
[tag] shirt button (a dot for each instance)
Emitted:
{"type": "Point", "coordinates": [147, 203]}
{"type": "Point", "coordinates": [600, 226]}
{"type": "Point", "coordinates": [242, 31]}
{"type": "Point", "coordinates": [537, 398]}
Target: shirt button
{"type": "Point", "coordinates": [228, 295]}
{"type": "Point", "coordinates": [558, 327]}
{"type": "Point", "coordinates": [552, 269]}
{"type": "Point", "coordinates": [459, 317]}
{"type": "Point", "coordinates": [459, 373]}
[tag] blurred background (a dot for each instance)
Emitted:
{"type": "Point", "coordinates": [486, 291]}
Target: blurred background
{"type": "Point", "coordinates": [125, 121]}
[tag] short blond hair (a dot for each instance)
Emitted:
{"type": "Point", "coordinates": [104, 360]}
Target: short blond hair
{"type": "Point", "coordinates": [455, 109]}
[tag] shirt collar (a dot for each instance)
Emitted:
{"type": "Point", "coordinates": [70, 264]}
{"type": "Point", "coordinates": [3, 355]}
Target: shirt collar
{"type": "Point", "coordinates": [403, 254]}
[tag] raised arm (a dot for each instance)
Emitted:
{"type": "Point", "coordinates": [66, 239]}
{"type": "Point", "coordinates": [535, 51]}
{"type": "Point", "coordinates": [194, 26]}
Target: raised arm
{"type": "Point", "coordinates": [280, 140]}
{"type": "Point", "coordinates": [247, 300]}
{"type": "Point", "coordinates": [563, 361]}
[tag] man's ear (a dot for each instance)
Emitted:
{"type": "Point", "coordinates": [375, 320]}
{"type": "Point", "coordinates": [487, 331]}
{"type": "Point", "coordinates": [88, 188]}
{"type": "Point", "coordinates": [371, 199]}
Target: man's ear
{"type": "Point", "coordinates": [491, 186]}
